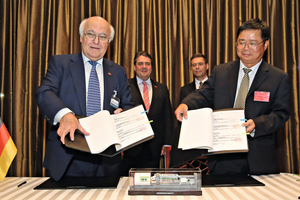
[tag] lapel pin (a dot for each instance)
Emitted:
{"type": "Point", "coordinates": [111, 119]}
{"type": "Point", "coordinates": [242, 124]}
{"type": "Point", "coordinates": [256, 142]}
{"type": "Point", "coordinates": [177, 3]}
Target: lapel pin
{"type": "Point", "coordinates": [155, 86]}
{"type": "Point", "coordinates": [109, 73]}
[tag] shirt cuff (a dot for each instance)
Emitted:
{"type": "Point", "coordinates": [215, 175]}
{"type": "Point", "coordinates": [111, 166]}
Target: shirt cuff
{"type": "Point", "coordinates": [60, 114]}
{"type": "Point", "coordinates": [252, 133]}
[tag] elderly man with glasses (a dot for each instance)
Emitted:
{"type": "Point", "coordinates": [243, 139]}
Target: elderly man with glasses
{"type": "Point", "coordinates": [259, 88]}
{"type": "Point", "coordinates": [81, 84]}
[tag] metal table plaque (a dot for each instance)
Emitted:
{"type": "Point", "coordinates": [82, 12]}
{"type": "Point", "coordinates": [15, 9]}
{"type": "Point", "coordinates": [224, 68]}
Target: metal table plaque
{"type": "Point", "coordinates": [171, 181]}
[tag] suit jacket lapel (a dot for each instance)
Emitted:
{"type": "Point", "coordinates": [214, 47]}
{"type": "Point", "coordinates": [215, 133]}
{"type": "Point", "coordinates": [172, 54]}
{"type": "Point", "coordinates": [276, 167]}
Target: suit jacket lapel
{"type": "Point", "coordinates": [193, 86]}
{"type": "Point", "coordinates": [260, 76]}
{"type": "Point", "coordinates": [77, 69]}
{"type": "Point", "coordinates": [108, 84]}
{"type": "Point", "coordinates": [136, 91]}
{"type": "Point", "coordinates": [233, 72]}
{"type": "Point", "coordinates": [155, 94]}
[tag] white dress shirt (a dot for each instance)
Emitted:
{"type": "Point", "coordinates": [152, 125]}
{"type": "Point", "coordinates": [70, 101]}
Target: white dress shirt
{"type": "Point", "coordinates": [197, 82]}
{"type": "Point", "coordinates": [87, 70]}
{"type": "Point", "coordinates": [251, 74]}
{"type": "Point", "coordinates": [242, 73]}
{"type": "Point", "coordinates": [141, 87]}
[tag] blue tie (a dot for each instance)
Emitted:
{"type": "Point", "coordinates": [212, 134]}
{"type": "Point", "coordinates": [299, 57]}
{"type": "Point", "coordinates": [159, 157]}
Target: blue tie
{"type": "Point", "coordinates": [93, 99]}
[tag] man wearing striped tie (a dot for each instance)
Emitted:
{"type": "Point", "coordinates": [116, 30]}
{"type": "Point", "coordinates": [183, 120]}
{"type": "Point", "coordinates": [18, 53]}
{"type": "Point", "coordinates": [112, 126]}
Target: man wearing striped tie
{"type": "Point", "coordinates": [81, 84]}
{"type": "Point", "coordinates": [155, 98]}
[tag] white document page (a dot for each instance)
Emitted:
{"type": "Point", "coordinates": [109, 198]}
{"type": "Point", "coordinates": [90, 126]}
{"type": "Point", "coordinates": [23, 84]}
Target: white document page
{"type": "Point", "coordinates": [196, 131]}
{"type": "Point", "coordinates": [229, 134]}
{"type": "Point", "coordinates": [102, 131]}
{"type": "Point", "coordinates": [132, 126]}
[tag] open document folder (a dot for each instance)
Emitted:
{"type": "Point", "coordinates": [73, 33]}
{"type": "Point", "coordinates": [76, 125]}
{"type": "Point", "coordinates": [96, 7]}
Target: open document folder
{"type": "Point", "coordinates": [111, 134]}
{"type": "Point", "coordinates": [218, 131]}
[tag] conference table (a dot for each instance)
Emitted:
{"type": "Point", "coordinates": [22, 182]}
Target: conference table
{"type": "Point", "coordinates": [277, 186]}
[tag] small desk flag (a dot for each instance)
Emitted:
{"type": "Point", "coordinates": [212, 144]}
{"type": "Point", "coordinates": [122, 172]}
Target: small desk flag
{"type": "Point", "coordinates": [8, 151]}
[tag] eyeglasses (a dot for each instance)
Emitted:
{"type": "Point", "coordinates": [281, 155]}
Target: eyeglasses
{"type": "Point", "coordinates": [195, 64]}
{"type": "Point", "coordinates": [91, 36]}
{"type": "Point", "coordinates": [251, 45]}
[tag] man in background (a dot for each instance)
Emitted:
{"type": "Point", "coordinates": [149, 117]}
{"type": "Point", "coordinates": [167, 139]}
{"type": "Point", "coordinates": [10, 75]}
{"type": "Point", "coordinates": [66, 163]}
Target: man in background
{"type": "Point", "coordinates": [199, 66]}
{"type": "Point", "coordinates": [81, 84]}
{"type": "Point", "coordinates": [155, 98]}
{"type": "Point", "coordinates": [259, 88]}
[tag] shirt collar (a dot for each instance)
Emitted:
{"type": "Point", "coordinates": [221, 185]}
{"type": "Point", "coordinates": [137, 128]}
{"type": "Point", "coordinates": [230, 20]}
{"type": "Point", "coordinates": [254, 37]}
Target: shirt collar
{"type": "Point", "coordinates": [198, 82]}
{"type": "Point", "coordinates": [139, 81]}
{"type": "Point", "coordinates": [254, 68]}
{"type": "Point", "coordinates": [86, 59]}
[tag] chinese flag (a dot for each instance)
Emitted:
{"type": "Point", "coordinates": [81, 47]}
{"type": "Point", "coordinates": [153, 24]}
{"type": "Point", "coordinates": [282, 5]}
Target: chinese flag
{"type": "Point", "coordinates": [8, 150]}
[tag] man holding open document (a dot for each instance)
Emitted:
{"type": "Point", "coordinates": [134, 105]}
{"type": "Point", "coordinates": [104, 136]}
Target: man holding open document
{"type": "Point", "coordinates": [155, 98]}
{"type": "Point", "coordinates": [81, 84]}
{"type": "Point", "coordinates": [261, 89]}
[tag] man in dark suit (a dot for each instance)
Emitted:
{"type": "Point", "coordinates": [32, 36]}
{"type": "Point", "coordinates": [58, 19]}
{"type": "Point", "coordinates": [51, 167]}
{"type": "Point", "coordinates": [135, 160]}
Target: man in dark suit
{"type": "Point", "coordinates": [266, 101]}
{"type": "Point", "coordinates": [199, 66]}
{"type": "Point", "coordinates": [159, 110]}
{"type": "Point", "coordinates": [64, 93]}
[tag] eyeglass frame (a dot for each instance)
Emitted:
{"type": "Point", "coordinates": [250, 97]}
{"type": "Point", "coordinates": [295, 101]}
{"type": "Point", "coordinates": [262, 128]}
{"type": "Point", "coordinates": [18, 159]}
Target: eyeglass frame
{"type": "Point", "coordinates": [100, 36]}
{"type": "Point", "coordinates": [248, 44]}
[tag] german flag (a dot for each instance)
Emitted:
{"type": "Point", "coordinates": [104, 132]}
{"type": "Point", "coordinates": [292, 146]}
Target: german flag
{"type": "Point", "coordinates": [8, 151]}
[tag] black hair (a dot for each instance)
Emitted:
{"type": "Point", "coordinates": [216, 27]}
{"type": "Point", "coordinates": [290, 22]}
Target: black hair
{"type": "Point", "coordinates": [255, 24]}
{"type": "Point", "coordinates": [141, 53]}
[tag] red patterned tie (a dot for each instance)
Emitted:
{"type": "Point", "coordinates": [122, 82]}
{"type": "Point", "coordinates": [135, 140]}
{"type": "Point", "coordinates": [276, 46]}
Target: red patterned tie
{"type": "Point", "coordinates": [146, 96]}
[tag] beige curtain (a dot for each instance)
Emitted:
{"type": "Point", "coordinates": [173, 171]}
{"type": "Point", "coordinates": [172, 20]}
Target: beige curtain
{"type": "Point", "coordinates": [170, 30]}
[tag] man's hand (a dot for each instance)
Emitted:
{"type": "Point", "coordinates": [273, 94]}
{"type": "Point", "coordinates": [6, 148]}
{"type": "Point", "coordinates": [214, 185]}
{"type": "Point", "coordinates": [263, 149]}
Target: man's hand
{"type": "Point", "coordinates": [118, 110]}
{"type": "Point", "coordinates": [181, 111]}
{"type": "Point", "coordinates": [250, 125]}
{"type": "Point", "coordinates": [69, 123]}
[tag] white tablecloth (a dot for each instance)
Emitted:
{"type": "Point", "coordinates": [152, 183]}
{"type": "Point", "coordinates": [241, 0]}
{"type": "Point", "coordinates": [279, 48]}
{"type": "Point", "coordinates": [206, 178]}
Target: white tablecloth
{"type": "Point", "coordinates": [277, 186]}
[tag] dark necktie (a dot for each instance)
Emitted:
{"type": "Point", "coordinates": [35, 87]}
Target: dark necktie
{"type": "Point", "coordinates": [241, 98]}
{"type": "Point", "coordinates": [93, 99]}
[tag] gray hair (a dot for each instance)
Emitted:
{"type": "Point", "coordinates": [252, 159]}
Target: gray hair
{"type": "Point", "coordinates": [112, 30]}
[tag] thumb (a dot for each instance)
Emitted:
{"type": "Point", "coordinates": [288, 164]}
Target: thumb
{"type": "Point", "coordinates": [84, 132]}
